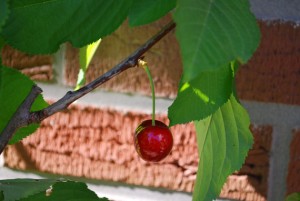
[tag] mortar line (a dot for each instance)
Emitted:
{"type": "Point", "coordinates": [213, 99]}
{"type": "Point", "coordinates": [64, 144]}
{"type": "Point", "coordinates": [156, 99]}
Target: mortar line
{"type": "Point", "coordinates": [279, 162]}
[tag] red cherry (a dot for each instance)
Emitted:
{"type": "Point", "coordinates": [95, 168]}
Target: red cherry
{"type": "Point", "coordinates": [153, 143]}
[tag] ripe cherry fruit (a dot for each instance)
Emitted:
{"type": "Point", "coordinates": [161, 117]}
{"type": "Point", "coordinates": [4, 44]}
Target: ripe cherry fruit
{"type": "Point", "coordinates": [153, 142]}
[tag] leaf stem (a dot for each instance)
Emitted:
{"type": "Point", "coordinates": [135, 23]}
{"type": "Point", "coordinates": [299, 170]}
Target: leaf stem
{"type": "Point", "coordinates": [152, 92]}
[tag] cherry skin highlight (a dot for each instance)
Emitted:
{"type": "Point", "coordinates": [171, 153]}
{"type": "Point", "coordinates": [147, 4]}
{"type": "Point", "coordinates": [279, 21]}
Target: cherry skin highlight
{"type": "Point", "coordinates": [153, 143]}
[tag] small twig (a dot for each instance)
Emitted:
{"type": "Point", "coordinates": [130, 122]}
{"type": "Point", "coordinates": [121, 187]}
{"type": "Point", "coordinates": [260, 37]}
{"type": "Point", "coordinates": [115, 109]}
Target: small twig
{"type": "Point", "coordinates": [24, 116]}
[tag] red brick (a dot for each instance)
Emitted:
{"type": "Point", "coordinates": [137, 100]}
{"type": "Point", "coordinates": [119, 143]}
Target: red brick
{"type": "Point", "coordinates": [293, 178]}
{"type": "Point", "coordinates": [271, 75]}
{"type": "Point", "coordinates": [37, 67]}
{"type": "Point", "coordinates": [97, 144]}
{"type": "Point", "coordinates": [163, 60]}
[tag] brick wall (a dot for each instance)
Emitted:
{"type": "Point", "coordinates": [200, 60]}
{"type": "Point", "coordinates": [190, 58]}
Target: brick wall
{"type": "Point", "coordinates": [293, 178]}
{"type": "Point", "coordinates": [95, 141]}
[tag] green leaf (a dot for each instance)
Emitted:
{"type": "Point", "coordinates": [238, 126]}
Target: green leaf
{"type": "Point", "coordinates": [14, 88]}
{"type": "Point", "coordinates": [4, 13]}
{"type": "Point", "coordinates": [202, 96]}
{"type": "Point", "coordinates": [2, 43]}
{"type": "Point", "coordinates": [86, 54]}
{"type": "Point", "coordinates": [15, 189]}
{"type": "Point", "coordinates": [224, 140]}
{"type": "Point", "coordinates": [80, 79]}
{"type": "Point", "coordinates": [293, 197]}
{"type": "Point", "coordinates": [41, 26]}
{"type": "Point", "coordinates": [146, 11]}
{"type": "Point", "coordinates": [67, 190]}
{"type": "Point", "coordinates": [213, 33]}
{"type": "Point", "coordinates": [1, 196]}
{"type": "Point", "coordinates": [46, 190]}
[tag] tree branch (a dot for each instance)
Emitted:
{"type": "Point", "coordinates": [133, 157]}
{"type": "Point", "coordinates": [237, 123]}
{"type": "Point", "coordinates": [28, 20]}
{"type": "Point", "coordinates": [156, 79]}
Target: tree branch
{"type": "Point", "coordinates": [23, 117]}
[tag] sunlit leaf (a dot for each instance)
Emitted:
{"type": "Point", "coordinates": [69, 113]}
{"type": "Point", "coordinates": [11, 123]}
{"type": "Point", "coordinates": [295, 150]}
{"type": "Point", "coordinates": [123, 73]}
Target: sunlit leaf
{"type": "Point", "coordinates": [293, 197]}
{"type": "Point", "coordinates": [86, 54]}
{"type": "Point", "coordinates": [224, 140]}
{"type": "Point", "coordinates": [202, 96]}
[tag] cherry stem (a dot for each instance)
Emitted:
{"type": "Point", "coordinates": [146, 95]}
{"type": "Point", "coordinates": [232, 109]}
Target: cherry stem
{"type": "Point", "coordinates": [153, 93]}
